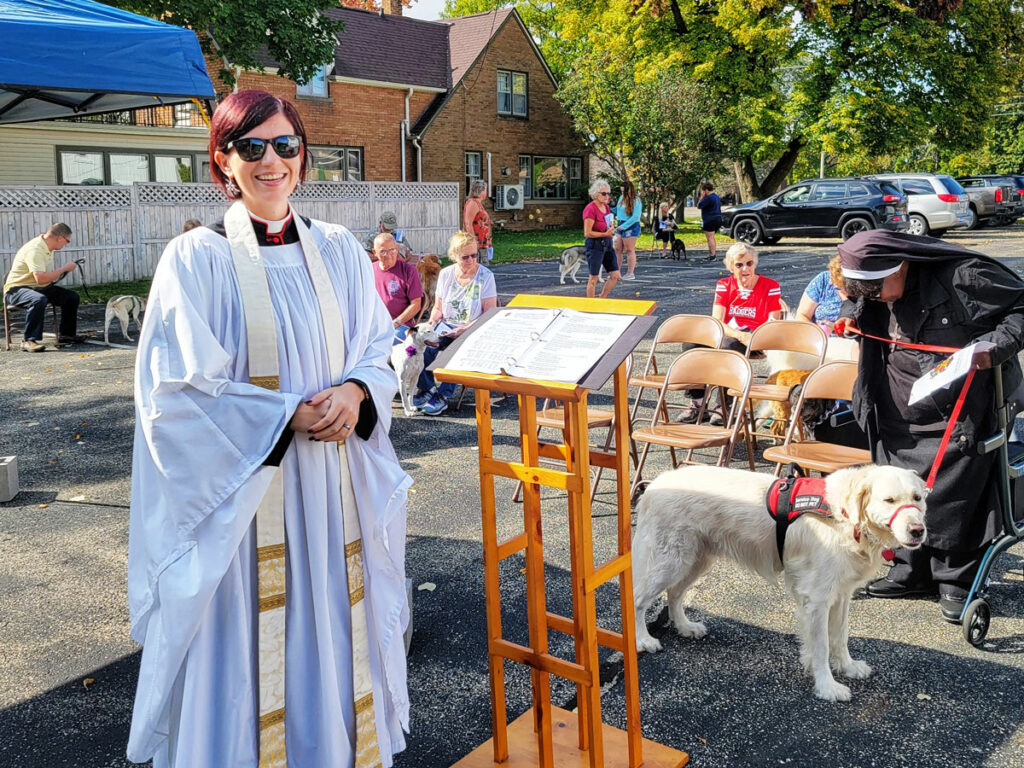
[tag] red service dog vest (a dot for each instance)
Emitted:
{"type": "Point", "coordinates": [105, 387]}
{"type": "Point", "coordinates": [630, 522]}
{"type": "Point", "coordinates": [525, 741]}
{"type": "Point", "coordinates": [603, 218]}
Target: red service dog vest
{"type": "Point", "coordinates": [789, 497]}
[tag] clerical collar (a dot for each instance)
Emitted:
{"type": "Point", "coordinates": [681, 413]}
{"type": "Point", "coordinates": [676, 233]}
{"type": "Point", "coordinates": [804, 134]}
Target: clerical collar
{"type": "Point", "coordinates": [281, 232]}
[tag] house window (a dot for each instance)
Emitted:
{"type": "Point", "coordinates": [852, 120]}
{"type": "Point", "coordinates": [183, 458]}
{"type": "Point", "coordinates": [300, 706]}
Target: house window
{"type": "Point", "coordinates": [105, 166]}
{"type": "Point", "coordinates": [512, 93]}
{"type": "Point", "coordinates": [551, 178]}
{"type": "Point", "coordinates": [474, 164]}
{"type": "Point", "coordinates": [316, 85]}
{"type": "Point", "coordinates": [336, 164]}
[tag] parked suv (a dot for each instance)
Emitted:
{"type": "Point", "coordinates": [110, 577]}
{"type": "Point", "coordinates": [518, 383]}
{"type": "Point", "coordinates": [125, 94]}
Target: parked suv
{"type": "Point", "coordinates": [816, 208]}
{"type": "Point", "coordinates": [935, 203]}
{"type": "Point", "coordinates": [991, 198]}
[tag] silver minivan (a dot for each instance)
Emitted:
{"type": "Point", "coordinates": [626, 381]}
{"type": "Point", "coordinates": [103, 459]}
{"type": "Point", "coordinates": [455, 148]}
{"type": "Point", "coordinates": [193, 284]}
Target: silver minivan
{"type": "Point", "coordinates": [935, 202]}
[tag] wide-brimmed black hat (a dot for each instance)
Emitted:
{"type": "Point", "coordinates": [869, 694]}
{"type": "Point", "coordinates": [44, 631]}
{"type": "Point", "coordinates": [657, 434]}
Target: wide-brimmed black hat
{"type": "Point", "coordinates": [878, 253]}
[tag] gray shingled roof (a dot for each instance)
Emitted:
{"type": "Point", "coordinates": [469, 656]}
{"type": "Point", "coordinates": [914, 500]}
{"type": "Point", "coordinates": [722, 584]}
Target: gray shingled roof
{"type": "Point", "coordinates": [391, 49]}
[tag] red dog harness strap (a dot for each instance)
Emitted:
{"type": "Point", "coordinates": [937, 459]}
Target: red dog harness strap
{"type": "Point", "coordinates": [789, 497]}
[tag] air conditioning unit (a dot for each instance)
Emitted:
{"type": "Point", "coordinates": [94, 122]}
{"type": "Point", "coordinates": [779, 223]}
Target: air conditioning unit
{"type": "Point", "coordinates": [508, 197]}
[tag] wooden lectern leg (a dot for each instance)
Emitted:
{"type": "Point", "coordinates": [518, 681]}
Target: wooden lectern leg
{"type": "Point", "coordinates": [536, 597]}
{"type": "Point", "coordinates": [492, 586]}
{"type": "Point", "coordinates": [585, 618]}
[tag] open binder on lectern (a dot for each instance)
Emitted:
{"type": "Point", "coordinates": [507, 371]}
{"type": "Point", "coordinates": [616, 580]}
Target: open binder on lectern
{"type": "Point", "coordinates": [560, 345]}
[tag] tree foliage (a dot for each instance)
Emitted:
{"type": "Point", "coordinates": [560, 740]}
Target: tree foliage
{"type": "Point", "coordinates": [659, 133]}
{"type": "Point", "coordinates": [295, 33]}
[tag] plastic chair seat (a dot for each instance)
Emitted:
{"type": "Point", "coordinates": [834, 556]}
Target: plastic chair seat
{"type": "Point", "coordinates": [689, 436]}
{"type": "Point", "coordinates": [554, 417]}
{"type": "Point", "coordinates": [817, 456]}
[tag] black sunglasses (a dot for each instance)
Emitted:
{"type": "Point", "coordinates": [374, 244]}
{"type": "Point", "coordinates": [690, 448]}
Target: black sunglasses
{"type": "Point", "coordinates": [251, 149]}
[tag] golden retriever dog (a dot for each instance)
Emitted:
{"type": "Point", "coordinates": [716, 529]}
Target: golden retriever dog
{"type": "Point", "coordinates": [429, 268]}
{"type": "Point", "coordinates": [781, 410]}
{"type": "Point", "coordinates": [690, 516]}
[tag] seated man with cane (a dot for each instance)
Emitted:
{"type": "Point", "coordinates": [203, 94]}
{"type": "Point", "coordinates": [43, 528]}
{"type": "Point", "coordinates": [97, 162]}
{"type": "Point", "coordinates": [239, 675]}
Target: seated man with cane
{"type": "Point", "coordinates": [913, 295]}
{"type": "Point", "coordinates": [31, 285]}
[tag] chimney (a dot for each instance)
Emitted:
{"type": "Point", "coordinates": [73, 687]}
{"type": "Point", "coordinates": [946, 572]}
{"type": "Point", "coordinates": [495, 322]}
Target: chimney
{"type": "Point", "coordinates": [391, 7]}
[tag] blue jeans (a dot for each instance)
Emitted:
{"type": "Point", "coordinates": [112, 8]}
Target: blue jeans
{"type": "Point", "coordinates": [426, 380]}
{"type": "Point", "coordinates": [34, 301]}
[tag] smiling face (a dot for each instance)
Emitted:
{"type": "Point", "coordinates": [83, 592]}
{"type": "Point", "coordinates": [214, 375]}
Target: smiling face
{"type": "Point", "coordinates": [266, 183]}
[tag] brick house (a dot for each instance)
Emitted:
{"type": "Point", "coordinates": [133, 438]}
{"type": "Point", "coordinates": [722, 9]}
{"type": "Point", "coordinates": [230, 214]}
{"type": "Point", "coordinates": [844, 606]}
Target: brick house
{"type": "Point", "coordinates": [464, 98]}
{"type": "Point", "coordinates": [403, 100]}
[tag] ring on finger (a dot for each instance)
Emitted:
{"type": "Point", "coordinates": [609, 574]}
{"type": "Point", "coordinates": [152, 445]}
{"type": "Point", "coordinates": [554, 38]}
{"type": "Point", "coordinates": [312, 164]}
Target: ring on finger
{"type": "Point", "coordinates": [346, 426]}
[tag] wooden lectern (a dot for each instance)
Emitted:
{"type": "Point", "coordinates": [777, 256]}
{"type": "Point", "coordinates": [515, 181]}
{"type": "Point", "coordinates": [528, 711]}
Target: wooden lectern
{"type": "Point", "coordinates": [545, 736]}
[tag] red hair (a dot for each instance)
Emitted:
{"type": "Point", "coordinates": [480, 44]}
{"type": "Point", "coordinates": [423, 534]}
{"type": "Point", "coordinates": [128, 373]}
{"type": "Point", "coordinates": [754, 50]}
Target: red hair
{"type": "Point", "coordinates": [238, 114]}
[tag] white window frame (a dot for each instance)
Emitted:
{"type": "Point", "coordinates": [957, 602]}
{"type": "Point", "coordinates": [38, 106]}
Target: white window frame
{"type": "Point", "coordinates": [316, 87]}
{"type": "Point", "coordinates": [515, 87]}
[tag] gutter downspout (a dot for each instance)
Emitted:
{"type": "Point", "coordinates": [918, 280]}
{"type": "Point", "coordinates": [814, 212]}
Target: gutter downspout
{"type": "Point", "coordinates": [489, 185]}
{"type": "Point", "coordinates": [405, 130]}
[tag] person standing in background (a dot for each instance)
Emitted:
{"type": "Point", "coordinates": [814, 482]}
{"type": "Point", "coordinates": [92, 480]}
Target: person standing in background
{"type": "Point", "coordinates": [627, 212]}
{"type": "Point", "coordinates": [476, 220]}
{"type": "Point", "coordinates": [598, 229]}
{"type": "Point", "coordinates": [710, 215]}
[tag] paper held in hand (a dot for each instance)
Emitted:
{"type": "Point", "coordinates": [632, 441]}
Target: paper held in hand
{"type": "Point", "coordinates": [945, 373]}
{"type": "Point", "coordinates": [546, 344]}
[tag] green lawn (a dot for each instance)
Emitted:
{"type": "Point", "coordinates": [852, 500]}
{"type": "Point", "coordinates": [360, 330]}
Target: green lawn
{"type": "Point", "coordinates": [539, 245]}
{"type": "Point", "coordinates": [101, 293]}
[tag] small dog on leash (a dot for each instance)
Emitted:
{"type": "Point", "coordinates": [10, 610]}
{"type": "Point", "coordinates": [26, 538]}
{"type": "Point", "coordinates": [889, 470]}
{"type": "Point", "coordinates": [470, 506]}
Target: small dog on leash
{"type": "Point", "coordinates": [678, 249]}
{"type": "Point", "coordinates": [407, 360]}
{"type": "Point", "coordinates": [690, 517]}
{"type": "Point", "coordinates": [429, 268]}
{"type": "Point", "coordinates": [123, 308]}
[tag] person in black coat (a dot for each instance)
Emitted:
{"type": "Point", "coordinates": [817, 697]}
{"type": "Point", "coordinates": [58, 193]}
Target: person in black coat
{"type": "Point", "coordinates": [926, 291]}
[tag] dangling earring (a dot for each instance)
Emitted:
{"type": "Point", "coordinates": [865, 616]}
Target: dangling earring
{"type": "Point", "coordinates": [231, 188]}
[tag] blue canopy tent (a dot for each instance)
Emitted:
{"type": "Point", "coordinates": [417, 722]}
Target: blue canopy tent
{"type": "Point", "coordinates": [67, 58]}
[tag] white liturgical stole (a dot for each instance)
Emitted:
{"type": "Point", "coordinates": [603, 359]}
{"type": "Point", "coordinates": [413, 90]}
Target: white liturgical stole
{"type": "Point", "coordinates": [270, 528]}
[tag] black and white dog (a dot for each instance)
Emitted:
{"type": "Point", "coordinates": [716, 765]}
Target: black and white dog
{"type": "Point", "coordinates": [407, 360]}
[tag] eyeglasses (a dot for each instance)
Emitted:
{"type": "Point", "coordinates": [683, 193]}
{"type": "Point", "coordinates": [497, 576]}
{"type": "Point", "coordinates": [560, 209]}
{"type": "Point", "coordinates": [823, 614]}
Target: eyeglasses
{"type": "Point", "coordinates": [466, 256]}
{"type": "Point", "coordinates": [252, 149]}
{"type": "Point", "coordinates": [746, 263]}
{"type": "Point", "coordinates": [382, 251]}
{"type": "Point", "coordinates": [605, 194]}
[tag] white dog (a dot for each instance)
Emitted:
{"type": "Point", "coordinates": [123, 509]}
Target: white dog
{"type": "Point", "coordinates": [407, 359]}
{"type": "Point", "coordinates": [690, 516]}
{"type": "Point", "coordinates": [123, 307]}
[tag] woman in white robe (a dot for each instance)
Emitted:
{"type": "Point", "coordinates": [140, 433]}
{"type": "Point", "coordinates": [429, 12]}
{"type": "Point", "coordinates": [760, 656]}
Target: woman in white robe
{"type": "Point", "coordinates": [206, 444]}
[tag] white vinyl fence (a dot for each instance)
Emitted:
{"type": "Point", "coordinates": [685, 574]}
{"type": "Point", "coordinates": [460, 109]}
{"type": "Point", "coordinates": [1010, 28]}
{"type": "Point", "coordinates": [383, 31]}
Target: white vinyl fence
{"type": "Point", "coordinates": [121, 231]}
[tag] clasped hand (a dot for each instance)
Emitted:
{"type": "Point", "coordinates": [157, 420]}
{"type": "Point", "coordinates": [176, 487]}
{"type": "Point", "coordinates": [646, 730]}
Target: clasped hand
{"type": "Point", "coordinates": [330, 415]}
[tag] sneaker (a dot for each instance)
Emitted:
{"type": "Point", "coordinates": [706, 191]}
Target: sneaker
{"type": "Point", "coordinates": [629, 276]}
{"type": "Point", "coordinates": [31, 346]}
{"type": "Point", "coordinates": [422, 399]}
{"type": "Point", "coordinates": [435, 405]}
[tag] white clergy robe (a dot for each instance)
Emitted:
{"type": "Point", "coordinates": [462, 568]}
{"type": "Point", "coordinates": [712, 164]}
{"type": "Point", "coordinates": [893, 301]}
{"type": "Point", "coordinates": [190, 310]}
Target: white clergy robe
{"type": "Point", "coordinates": [202, 434]}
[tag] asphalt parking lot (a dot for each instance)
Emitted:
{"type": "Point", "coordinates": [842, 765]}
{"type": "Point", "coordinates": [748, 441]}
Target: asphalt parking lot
{"type": "Point", "coordinates": [736, 698]}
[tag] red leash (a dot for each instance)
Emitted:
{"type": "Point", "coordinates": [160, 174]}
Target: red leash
{"type": "Point", "coordinates": [842, 328]}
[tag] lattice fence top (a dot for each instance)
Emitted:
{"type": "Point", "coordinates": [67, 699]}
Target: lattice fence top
{"type": "Point", "coordinates": [334, 190]}
{"type": "Point", "coordinates": [442, 190]}
{"type": "Point", "coordinates": [176, 194]}
{"type": "Point", "coordinates": [64, 198]}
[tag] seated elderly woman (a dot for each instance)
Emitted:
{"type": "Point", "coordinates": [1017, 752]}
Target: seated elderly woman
{"type": "Point", "coordinates": [823, 297]}
{"type": "Point", "coordinates": [743, 301]}
{"type": "Point", "coordinates": [465, 290]}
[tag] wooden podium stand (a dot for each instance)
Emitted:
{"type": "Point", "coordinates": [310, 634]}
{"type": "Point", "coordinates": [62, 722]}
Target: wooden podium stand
{"type": "Point", "coordinates": [545, 736]}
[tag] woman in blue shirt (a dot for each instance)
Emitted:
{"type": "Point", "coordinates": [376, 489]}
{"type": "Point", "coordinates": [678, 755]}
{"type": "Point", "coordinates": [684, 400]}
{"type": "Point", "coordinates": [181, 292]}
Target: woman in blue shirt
{"type": "Point", "coordinates": [822, 299]}
{"type": "Point", "coordinates": [710, 215]}
{"type": "Point", "coordinates": [627, 213]}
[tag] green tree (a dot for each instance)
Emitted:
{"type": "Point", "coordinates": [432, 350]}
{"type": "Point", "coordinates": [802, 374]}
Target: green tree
{"type": "Point", "coordinates": [660, 133]}
{"type": "Point", "coordinates": [295, 33]}
{"type": "Point", "coordinates": [855, 78]}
